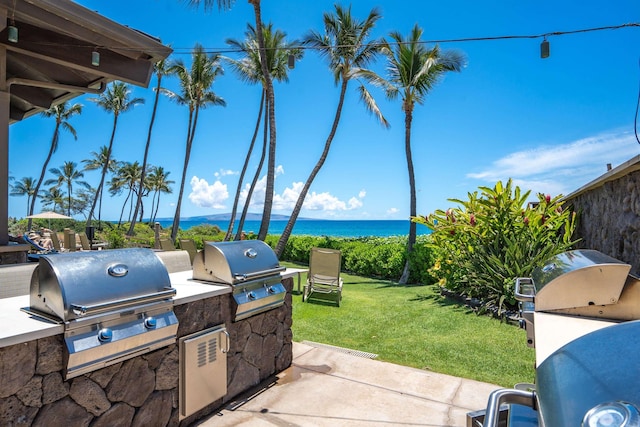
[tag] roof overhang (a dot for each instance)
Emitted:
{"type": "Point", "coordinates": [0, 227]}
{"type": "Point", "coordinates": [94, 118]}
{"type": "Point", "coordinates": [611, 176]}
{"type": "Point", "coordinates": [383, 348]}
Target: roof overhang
{"type": "Point", "coordinates": [52, 60]}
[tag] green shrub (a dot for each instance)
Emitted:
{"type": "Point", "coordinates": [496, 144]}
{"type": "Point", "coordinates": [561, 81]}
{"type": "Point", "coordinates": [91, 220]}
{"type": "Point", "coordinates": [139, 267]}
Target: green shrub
{"type": "Point", "coordinates": [202, 233]}
{"type": "Point", "coordinates": [115, 238]}
{"type": "Point", "coordinates": [379, 257]}
{"type": "Point", "coordinates": [495, 237]}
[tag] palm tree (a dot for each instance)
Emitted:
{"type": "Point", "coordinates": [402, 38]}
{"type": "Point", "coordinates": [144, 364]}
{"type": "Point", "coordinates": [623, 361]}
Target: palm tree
{"type": "Point", "coordinates": [24, 187]}
{"type": "Point", "coordinates": [67, 175]}
{"type": "Point", "coordinates": [62, 113]}
{"type": "Point", "coordinates": [126, 177]}
{"type": "Point", "coordinates": [195, 84]}
{"type": "Point", "coordinates": [53, 198]}
{"type": "Point", "coordinates": [158, 183]}
{"type": "Point", "coordinates": [268, 85]}
{"type": "Point", "coordinates": [346, 46]}
{"type": "Point", "coordinates": [116, 100]}
{"type": "Point", "coordinates": [161, 69]}
{"type": "Point", "coordinates": [97, 161]}
{"type": "Point", "coordinates": [413, 71]}
{"type": "Point", "coordinates": [249, 69]}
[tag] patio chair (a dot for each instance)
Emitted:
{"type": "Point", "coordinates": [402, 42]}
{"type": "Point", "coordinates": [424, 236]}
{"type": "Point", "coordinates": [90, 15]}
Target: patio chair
{"type": "Point", "coordinates": [190, 246]}
{"type": "Point", "coordinates": [324, 274]}
{"type": "Point", "coordinates": [56, 242]}
{"type": "Point", "coordinates": [84, 241]}
{"type": "Point", "coordinates": [167, 245]}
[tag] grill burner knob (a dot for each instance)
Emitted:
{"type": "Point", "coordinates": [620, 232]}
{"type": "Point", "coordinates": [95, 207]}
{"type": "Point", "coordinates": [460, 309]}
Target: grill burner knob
{"type": "Point", "coordinates": [251, 295]}
{"type": "Point", "coordinates": [150, 322]}
{"type": "Point", "coordinates": [105, 335]}
{"type": "Point", "coordinates": [270, 289]}
{"type": "Point", "coordinates": [612, 414]}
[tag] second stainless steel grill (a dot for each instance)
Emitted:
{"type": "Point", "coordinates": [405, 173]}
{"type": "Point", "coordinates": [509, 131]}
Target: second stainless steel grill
{"type": "Point", "coordinates": [250, 267]}
{"type": "Point", "coordinates": [114, 304]}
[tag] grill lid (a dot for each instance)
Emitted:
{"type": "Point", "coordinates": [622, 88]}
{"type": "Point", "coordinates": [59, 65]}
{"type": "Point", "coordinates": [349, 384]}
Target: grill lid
{"type": "Point", "coordinates": [72, 285]}
{"type": "Point", "coordinates": [579, 278]}
{"type": "Point", "coordinates": [235, 262]}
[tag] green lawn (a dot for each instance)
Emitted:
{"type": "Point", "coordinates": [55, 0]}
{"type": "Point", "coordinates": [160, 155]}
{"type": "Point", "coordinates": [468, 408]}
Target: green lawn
{"type": "Point", "coordinates": [413, 326]}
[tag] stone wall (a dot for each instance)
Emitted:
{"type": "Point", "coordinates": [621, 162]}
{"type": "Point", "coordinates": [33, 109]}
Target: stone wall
{"type": "Point", "coordinates": [142, 391]}
{"type": "Point", "coordinates": [609, 218]}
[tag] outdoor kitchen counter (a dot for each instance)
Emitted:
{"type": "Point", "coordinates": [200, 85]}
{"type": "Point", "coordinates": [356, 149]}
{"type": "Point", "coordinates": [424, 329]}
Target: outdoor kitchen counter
{"type": "Point", "coordinates": [189, 290]}
{"type": "Point", "coordinates": [19, 327]}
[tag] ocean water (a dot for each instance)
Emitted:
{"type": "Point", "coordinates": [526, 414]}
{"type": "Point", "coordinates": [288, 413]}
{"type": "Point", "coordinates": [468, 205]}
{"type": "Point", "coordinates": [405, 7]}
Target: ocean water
{"type": "Point", "coordinates": [333, 228]}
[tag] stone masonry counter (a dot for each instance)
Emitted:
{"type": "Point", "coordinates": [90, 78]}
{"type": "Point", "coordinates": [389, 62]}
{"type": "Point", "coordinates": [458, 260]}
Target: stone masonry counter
{"type": "Point", "coordinates": [142, 391]}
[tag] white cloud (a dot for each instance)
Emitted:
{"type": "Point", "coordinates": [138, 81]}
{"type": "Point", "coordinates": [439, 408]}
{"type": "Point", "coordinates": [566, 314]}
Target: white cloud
{"type": "Point", "coordinates": [257, 197]}
{"type": "Point", "coordinates": [207, 195]}
{"type": "Point", "coordinates": [392, 211]}
{"type": "Point", "coordinates": [561, 169]}
{"type": "Point", "coordinates": [355, 203]}
{"type": "Point", "coordinates": [286, 200]}
{"type": "Point", "coordinates": [227, 172]}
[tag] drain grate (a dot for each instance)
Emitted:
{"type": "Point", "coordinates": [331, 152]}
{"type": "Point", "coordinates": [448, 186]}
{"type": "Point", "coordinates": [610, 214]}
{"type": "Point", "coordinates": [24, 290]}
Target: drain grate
{"type": "Point", "coordinates": [342, 350]}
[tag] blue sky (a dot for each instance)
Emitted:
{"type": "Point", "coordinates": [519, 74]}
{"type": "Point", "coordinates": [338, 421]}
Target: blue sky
{"type": "Point", "coordinates": [550, 124]}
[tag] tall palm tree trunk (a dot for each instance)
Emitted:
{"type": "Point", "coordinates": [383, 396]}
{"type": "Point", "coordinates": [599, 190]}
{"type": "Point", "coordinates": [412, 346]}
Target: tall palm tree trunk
{"type": "Point", "coordinates": [412, 185]}
{"type": "Point", "coordinates": [286, 233]}
{"type": "Point", "coordinates": [268, 84]}
{"type": "Point", "coordinates": [131, 231]}
{"type": "Point", "coordinates": [252, 187]}
{"type": "Point", "coordinates": [54, 142]}
{"type": "Point", "coordinates": [244, 170]}
{"type": "Point", "coordinates": [190, 133]}
{"type": "Point", "coordinates": [104, 173]}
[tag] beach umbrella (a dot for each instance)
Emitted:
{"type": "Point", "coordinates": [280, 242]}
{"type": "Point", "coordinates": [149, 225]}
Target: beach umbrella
{"type": "Point", "coordinates": [49, 215]}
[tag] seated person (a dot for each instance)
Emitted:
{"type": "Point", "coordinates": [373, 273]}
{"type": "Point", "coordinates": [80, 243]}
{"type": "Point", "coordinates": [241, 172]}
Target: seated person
{"type": "Point", "coordinates": [45, 242]}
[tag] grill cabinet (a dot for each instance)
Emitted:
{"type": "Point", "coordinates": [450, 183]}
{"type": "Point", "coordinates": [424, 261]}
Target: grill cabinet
{"type": "Point", "coordinates": [114, 305]}
{"type": "Point", "coordinates": [250, 267]}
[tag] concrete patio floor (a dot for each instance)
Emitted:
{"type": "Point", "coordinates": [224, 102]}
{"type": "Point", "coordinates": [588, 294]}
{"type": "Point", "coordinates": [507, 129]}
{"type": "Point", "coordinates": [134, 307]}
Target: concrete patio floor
{"type": "Point", "coordinates": [325, 387]}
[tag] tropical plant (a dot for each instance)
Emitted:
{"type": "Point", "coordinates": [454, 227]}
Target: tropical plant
{"type": "Point", "coordinates": [158, 183]}
{"type": "Point", "coordinates": [115, 100]}
{"type": "Point", "coordinates": [196, 94]}
{"type": "Point", "coordinates": [97, 161]}
{"type": "Point", "coordinates": [25, 187]}
{"type": "Point", "coordinates": [161, 69]}
{"type": "Point", "coordinates": [68, 175]}
{"type": "Point", "coordinates": [249, 69]}
{"type": "Point", "coordinates": [268, 85]}
{"type": "Point", "coordinates": [413, 71]}
{"type": "Point", "coordinates": [346, 45]}
{"type": "Point", "coordinates": [62, 113]}
{"type": "Point", "coordinates": [494, 237]}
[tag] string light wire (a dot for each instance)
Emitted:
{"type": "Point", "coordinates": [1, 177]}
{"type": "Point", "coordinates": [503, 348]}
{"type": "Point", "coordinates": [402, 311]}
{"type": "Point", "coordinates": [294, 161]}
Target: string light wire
{"type": "Point", "coordinates": [189, 50]}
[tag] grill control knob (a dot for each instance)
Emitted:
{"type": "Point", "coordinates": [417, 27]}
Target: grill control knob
{"type": "Point", "coordinates": [251, 296]}
{"type": "Point", "coordinates": [105, 335]}
{"type": "Point", "coordinates": [271, 290]}
{"type": "Point", "coordinates": [150, 322]}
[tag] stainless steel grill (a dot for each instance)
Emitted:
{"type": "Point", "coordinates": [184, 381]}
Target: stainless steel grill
{"type": "Point", "coordinates": [580, 312]}
{"type": "Point", "coordinates": [250, 267]}
{"type": "Point", "coordinates": [114, 304]}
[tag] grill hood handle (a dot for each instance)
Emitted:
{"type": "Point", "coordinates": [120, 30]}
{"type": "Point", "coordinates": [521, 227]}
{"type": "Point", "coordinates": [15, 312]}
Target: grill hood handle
{"type": "Point", "coordinates": [83, 310]}
{"type": "Point", "coordinates": [525, 290]}
{"type": "Point", "coordinates": [254, 274]}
